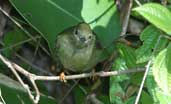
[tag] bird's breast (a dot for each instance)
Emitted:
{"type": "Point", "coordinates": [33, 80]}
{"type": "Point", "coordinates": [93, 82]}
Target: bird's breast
{"type": "Point", "coordinates": [73, 58]}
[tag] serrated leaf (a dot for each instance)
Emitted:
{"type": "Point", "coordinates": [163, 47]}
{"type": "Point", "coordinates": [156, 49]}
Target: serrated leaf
{"type": "Point", "coordinates": [156, 14]}
{"type": "Point", "coordinates": [159, 97]}
{"type": "Point", "coordinates": [162, 71]}
{"type": "Point", "coordinates": [149, 37]}
{"type": "Point", "coordinates": [53, 16]}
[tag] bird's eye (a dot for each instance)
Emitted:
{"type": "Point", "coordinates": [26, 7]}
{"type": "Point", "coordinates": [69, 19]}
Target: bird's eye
{"type": "Point", "coordinates": [76, 31]}
{"type": "Point", "coordinates": [89, 37]}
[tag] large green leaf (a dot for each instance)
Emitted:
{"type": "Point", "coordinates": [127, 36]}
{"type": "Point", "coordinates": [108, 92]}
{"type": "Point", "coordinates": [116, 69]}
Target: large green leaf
{"type": "Point", "coordinates": [162, 70]}
{"type": "Point", "coordinates": [156, 14]}
{"type": "Point", "coordinates": [50, 17]}
{"type": "Point", "coordinates": [159, 97]}
{"type": "Point", "coordinates": [149, 37]}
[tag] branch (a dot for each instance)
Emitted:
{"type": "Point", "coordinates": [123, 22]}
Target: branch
{"type": "Point", "coordinates": [86, 75]}
{"type": "Point", "coordinates": [127, 12]}
{"type": "Point", "coordinates": [32, 77]}
{"type": "Point", "coordinates": [13, 69]}
{"type": "Point", "coordinates": [24, 30]}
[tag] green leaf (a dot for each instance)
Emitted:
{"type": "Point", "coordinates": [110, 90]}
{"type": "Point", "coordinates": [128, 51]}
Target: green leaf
{"type": "Point", "coordinates": [128, 54]}
{"type": "Point", "coordinates": [146, 98]}
{"type": "Point", "coordinates": [119, 65]}
{"type": "Point", "coordinates": [162, 70]}
{"type": "Point", "coordinates": [50, 17]}
{"type": "Point", "coordinates": [149, 37]}
{"type": "Point", "coordinates": [116, 90]}
{"type": "Point", "coordinates": [116, 93]}
{"type": "Point", "coordinates": [104, 99]}
{"type": "Point", "coordinates": [156, 14]}
{"type": "Point", "coordinates": [12, 40]}
{"type": "Point", "coordinates": [159, 97]}
{"type": "Point", "coordinates": [131, 100]}
{"type": "Point", "coordinates": [12, 92]}
{"type": "Point", "coordinates": [136, 78]}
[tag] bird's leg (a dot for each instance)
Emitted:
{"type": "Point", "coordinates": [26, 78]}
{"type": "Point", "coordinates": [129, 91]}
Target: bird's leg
{"type": "Point", "coordinates": [93, 73]}
{"type": "Point", "coordinates": [62, 77]}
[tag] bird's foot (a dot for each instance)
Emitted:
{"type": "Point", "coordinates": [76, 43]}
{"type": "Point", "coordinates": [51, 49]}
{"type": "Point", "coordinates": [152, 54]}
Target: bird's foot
{"type": "Point", "coordinates": [93, 77]}
{"type": "Point", "coordinates": [62, 77]}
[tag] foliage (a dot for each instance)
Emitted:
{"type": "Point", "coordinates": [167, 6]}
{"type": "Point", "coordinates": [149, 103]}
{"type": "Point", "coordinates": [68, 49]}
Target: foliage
{"type": "Point", "coordinates": [47, 18]}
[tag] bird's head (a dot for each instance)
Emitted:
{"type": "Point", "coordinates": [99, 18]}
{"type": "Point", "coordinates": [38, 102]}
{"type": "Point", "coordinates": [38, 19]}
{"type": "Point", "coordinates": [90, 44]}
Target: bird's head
{"type": "Point", "coordinates": [83, 34]}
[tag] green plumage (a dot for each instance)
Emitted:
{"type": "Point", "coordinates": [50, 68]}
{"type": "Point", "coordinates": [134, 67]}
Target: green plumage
{"type": "Point", "coordinates": [76, 48]}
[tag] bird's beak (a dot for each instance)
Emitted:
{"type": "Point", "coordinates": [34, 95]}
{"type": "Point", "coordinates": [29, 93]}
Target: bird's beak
{"type": "Point", "coordinates": [82, 39]}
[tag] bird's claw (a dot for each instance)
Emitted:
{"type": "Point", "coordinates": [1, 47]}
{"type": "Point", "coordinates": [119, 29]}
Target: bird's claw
{"type": "Point", "coordinates": [94, 76]}
{"type": "Point", "coordinates": [62, 77]}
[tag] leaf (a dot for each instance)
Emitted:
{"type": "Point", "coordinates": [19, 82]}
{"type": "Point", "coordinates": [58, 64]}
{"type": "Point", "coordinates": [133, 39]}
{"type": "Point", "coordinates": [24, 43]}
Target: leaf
{"type": "Point", "coordinates": [136, 78]}
{"type": "Point", "coordinates": [119, 65]}
{"type": "Point", "coordinates": [128, 54]}
{"type": "Point", "coordinates": [116, 90]}
{"type": "Point", "coordinates": [12, 40]}
{"type": "Point", "coordinates": [156, 14]}
{"type": "Point", "coordinates": [104, 99]}
{"type": "Point", "coordinates": [131, 100]}
{"type": "Point", "coordinates": [79, 93]}
{"type": "Point", "coordinates": [146, 98]}
{"type": "Point", "coordinates": [159, 97]}
{"type": "Point", "coordinates": [53, 16]}
{"type": "Point", "coordinates": [13, 91]}
{"type": "Point", "coordinates": [116, 93]}
{"type": "Point", "coordinates": [149, 37]}
{"type": "Point", "coordinates": [162, 70]}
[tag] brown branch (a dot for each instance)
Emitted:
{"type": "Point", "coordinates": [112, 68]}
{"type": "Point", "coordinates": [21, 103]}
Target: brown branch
{"type": "Point", "coordinates": [86, 75]}
{"type": "Point", "coordinates": [127, 12]}
{"type": "Point", "coordinates": [13, 69]}
{"type": "Point", "coordinates": [32, 77]}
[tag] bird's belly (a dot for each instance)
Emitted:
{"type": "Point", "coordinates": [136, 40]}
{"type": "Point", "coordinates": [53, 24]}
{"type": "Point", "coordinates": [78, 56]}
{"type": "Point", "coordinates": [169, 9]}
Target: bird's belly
{"type": "Point", "coordinates": [75, 60]}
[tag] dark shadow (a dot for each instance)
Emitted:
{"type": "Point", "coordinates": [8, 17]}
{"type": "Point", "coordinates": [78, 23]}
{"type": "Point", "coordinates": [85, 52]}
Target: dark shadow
{"type": "Point", "coordinates": [110, 33]}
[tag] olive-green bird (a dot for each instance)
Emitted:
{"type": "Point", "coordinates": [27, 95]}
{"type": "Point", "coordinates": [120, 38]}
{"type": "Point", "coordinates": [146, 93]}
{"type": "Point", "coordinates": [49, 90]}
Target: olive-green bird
{"type": "Point", "coordinates": [77, 48]}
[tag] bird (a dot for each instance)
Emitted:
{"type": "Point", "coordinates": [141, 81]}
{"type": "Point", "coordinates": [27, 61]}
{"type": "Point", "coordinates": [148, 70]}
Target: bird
{"type": "Point", "coordinates": [78, 49]}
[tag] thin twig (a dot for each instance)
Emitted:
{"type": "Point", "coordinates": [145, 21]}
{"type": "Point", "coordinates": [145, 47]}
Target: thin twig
{"type": "Point", "coordinates": [32, 77]}
{"type": "Point", "coordinates": [68, 92]}
{"type": "Point", "coordinates": [126, 19]}
{"type": "Point", "coordinates": [143, 81]}
{"type": "Point", "coordinates": [146, 72]}
{"type": "Point", "coordinates": [69, 77]}
{"type": "Point", "coordinates": [138, 3]}
{"type": "Point", "coordinates": [13, 69]}
{"type": "Point", "coordinates": [33, 66]}
{"type": "Point", "coordinates": [35, 53]}
{"type": "Point", "coordinates": [22, 28]}
{"type": "Point", "coordinates": [2, 99]}
{"type": "Point", "coordinates": [19, 43]}
{"type": "Point", "coordinates": [86, 75]}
